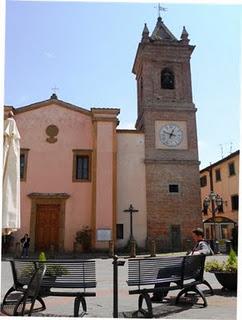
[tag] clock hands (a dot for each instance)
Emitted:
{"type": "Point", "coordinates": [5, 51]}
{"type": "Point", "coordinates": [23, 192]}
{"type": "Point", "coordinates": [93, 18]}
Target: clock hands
{"type": "Point", "coordinates": [170, 133]}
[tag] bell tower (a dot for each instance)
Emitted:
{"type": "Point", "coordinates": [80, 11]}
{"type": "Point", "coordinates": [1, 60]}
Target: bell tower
{"type": "Point", "coordinates": [166, 115]}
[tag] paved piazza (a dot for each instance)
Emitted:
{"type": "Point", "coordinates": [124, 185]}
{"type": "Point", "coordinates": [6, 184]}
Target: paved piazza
{"type": "Point", "coordinates": [220, 306]}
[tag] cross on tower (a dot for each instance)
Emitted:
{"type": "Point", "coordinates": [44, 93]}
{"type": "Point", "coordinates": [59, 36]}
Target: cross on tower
{"type": "Point", "coordinates": [160, 8]}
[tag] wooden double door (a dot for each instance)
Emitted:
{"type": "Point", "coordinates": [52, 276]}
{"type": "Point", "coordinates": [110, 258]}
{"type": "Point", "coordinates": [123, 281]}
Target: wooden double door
{"type": "Point", "coordinates": [47, 227]}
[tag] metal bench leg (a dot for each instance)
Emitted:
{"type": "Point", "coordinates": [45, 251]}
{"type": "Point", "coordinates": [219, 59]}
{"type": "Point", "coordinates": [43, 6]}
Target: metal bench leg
{"type": "Point", "coordinates": [21, 311]}
{"type": "Point", "coordinates": [31, 308]}
{"type": "Point", "coordinates": [200, 293]}
{"type": "Point", "coordinates": [194, 289]}
{"type": "Point", "coordinates": [183, 291]}
{"type": "Point", "coordinates": [208, 285]}
{"type": "Point", "coordinates": [145, 296]}
{"type": "Point", "coordinates": [41, 301]}
{"type": "Point", "coordinates": [8, 292]}
{"type": "Point", "coordinates": [12, 289]}
{"type": "Point", "coordinates": [80, 299]}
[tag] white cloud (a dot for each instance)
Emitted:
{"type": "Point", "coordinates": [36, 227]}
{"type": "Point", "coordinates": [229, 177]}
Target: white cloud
{"type": "Point", "coordinates": [49, 55]}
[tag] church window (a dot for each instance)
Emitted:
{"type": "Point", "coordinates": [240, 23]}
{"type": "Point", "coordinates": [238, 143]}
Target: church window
{"type": "Point", "coordinates": [81, 165]}
{"type": "Point", "coordinates": [120, 231]}
{"type": "Point", "coordinates": [23, 164]}
{"type": "Point", "coordinates": [173, 188]}
{"type": "Point", "coordinates": [167, 79]}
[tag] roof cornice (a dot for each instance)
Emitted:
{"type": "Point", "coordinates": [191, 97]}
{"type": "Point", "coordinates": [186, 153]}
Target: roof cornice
{"type": "Point", "coordinates": [215, 164]}
{"type": "Point", "coordinates": [48, 102]}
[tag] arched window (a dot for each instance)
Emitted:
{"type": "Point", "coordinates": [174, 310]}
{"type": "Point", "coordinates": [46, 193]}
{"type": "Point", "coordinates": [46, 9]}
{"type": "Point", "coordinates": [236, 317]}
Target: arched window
{"type": "Point", "coordinates": [167, 79]}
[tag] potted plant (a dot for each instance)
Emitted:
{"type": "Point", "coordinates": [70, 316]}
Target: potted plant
{"type": "Point", "coordinates": [52, 271]}
{"type": "Point", "coordinates": [83, 238]}
{"type": "Point", "coordinates": [226, 271]}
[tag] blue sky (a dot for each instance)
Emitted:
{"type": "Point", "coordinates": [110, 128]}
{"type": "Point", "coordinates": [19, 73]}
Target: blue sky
{"type": "Point", "coordinates": [87, 51]}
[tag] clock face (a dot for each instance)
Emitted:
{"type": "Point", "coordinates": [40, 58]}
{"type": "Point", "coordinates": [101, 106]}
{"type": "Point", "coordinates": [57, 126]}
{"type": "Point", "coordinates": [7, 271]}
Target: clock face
{"type": "Point", "coordinates": [171, 135]}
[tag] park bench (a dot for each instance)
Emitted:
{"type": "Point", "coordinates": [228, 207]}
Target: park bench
{"type": "Point", "coordinates": [17, 305]}
{"type": "Point", "coordinates": [79, 275]}
{"type": "Point", "coordinates": [182, 273]}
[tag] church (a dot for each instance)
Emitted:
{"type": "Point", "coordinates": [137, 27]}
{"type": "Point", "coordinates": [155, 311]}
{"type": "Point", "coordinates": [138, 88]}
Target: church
{"type": "Point", "coordinates": [78, 170]}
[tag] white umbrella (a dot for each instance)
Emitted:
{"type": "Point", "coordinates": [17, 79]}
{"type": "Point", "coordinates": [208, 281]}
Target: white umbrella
{"type": "Point", "coordinates": [11, 177]}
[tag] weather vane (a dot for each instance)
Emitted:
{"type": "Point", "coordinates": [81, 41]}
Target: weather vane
{"type": "Point", "coordinates": [160, 8]}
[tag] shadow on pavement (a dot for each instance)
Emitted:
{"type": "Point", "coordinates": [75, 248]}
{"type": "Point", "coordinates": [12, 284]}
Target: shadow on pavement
{"type": "Point", "coordinates": [167, 307]}
{"type": "Point", "coordinates": [221, 292]}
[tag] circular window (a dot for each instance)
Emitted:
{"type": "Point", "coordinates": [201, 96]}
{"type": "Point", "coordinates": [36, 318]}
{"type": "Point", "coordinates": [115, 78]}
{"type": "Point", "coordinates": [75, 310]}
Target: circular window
{"type": "Point", "coordinates": [52, 131]}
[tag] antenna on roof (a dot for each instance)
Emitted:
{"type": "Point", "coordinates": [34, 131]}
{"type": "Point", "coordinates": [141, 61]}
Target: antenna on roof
{"type": "Point", "coordinates": [221, 147]}
{"type": "Point", "coordinates": [231, 144]}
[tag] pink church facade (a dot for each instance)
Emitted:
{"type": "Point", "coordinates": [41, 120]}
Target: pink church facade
{"type": "Point", "coordinates": [55, 202]}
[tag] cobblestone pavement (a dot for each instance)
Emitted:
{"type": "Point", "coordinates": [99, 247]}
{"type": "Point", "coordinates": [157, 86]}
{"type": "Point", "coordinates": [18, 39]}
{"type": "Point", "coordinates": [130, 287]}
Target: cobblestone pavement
{"type": "Point", "coordinates": [220, 306]}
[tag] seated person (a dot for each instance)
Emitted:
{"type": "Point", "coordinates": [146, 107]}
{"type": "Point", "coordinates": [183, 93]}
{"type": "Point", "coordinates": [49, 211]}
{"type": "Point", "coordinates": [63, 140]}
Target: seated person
{"type": "Point", "coordinates": [201, 247]}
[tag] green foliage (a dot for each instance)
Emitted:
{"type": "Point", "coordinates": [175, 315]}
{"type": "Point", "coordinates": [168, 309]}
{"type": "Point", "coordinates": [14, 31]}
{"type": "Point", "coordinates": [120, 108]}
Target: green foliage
{"type": "Point", "coordinates": [27, 272]}
{"type": "Point", "coordinates": [230, 265]}
{"type": "Point", "coordinates": [56, 270]}
{"type": "Point", "coordinates": [84, 237]}
{"type": "Point", "coordinates": [232, 262]}
{"type": "Point", "coordinates": [53, 270]}
{"type": "Point", "coordinates": [42, 257]}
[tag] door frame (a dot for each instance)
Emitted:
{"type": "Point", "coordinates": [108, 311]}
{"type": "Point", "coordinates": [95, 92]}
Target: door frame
{"type": "Point", "coordinates": [179, 245]}
{"type": "Point", "coordinates": [47, 198]}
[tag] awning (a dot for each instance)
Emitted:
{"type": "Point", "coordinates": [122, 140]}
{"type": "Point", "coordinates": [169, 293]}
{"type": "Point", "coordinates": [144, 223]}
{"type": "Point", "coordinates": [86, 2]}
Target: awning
{"type": "Point", "coordinates": [11, 177]}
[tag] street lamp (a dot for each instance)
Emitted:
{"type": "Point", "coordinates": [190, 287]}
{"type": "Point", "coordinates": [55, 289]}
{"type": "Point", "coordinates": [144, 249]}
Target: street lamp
{"type": "Point", "coordinates": [216, 206]}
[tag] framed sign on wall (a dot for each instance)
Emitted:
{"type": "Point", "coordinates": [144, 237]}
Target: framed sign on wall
{"type": "Point", "coordinates": [104, 234]}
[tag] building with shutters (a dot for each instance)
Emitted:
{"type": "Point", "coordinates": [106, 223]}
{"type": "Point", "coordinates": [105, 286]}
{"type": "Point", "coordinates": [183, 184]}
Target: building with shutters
{"type": "Point", "coordinates": [221, 177]}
